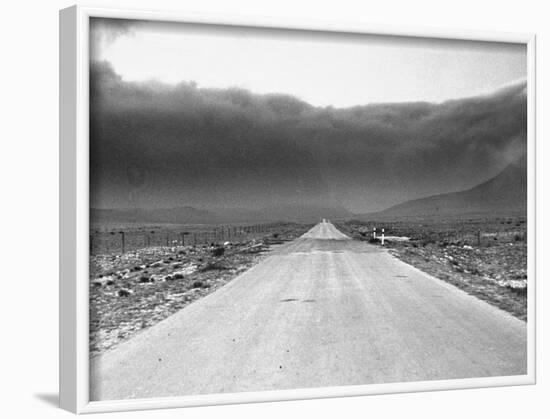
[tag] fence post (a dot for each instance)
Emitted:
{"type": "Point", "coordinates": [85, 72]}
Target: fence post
{"type": "Point", "coordinates": [123, 241]}
{"type": "Point", "coordinates": [478, 238]}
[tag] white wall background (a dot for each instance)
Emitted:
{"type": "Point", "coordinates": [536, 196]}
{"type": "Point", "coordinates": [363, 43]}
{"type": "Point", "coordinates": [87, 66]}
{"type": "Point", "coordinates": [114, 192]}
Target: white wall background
{"type": "Point", "coordinates": [29, 193]}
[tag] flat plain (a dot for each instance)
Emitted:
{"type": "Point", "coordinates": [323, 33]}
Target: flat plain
{"type": "Point", "coordinates": [321, 310]}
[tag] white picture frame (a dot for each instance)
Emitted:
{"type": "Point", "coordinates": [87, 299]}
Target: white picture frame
{"type": "Point", "coordinates": [74, 210]}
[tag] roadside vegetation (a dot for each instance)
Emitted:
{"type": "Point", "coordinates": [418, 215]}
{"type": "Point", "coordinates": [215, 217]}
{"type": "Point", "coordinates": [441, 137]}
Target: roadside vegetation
{"type": "Point", "coordinates": [134, 290]}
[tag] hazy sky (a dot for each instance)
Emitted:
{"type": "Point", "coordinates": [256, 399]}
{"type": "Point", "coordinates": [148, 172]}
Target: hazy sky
{"type": "Point", "coordinates": [233, 117]}
{"type": "Point", "coordinates": [321, 69]}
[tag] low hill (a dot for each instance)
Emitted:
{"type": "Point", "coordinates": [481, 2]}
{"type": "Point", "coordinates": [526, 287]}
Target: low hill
{"type": "Point", "coordinates": [191, 215]}
{"type": "Point", "coordinates": [301, 213]}
{"type": "Point", "coordinates": [504, 194]}
{"type": "Point", "coordinates": [179, 215]}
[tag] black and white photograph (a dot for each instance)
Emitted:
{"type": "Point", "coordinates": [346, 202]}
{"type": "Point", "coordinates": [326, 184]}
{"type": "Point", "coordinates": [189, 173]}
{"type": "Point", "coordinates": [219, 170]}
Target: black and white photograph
{"type": "Point", "coordinates": [281, 209]}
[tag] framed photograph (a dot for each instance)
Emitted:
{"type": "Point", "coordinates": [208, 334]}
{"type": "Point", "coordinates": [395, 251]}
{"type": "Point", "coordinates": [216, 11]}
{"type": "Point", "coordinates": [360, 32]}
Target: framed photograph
{"type": "Point", "coordinates": [258, 210]}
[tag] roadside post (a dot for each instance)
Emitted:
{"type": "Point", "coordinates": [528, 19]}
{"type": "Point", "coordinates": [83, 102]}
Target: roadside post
{"type": "Point", "coordinates": [382, 238]}
{"type": "Point", "coordinates": [123, 241]}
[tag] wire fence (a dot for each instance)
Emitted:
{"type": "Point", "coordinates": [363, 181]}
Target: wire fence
{"type": "Point", "coordinates": [122, 241]}
{"type": "Point", "coordinates": [474, 238]}
{"type": "Point", "coordinates": [475, 234]}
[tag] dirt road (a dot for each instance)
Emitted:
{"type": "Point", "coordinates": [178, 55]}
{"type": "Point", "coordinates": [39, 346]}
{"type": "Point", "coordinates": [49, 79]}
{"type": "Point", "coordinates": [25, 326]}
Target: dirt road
{"type": "Point", "coordinates": [322, 310]}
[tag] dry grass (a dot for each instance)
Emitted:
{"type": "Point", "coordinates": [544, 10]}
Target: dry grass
{"type": "Point", "coordinates": [136, 290]}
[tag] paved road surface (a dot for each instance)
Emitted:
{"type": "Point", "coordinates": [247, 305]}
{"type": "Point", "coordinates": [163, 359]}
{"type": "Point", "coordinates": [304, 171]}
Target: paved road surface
{"type": "Point", "coordinates": [322, 310]}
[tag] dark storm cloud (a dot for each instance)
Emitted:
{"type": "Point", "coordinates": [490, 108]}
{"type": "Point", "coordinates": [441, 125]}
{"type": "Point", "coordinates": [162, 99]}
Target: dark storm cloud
{"type": "Point", "coordinates": [160, 145]}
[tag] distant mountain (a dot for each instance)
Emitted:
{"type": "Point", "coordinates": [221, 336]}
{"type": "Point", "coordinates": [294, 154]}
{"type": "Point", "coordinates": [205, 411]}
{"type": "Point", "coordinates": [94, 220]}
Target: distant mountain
{"type": "Point", "coordinates": [179, 215]}
{"type": "Point", "coordinates": [506, 193]}
{"type": "Point", "coordinates": [191, 215]}
{"type": "Point", "coordinates": [303, 213]}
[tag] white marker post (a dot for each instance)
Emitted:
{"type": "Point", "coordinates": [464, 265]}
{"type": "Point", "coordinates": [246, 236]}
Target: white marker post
{"type": "Point", "coordinates": [382, 237]}
{"type": "Point", "coordinates": [374, 233]}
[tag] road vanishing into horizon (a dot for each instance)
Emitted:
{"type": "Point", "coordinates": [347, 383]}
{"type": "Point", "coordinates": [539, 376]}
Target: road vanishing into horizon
{"type": "Point", "coordinates": [322, 310]}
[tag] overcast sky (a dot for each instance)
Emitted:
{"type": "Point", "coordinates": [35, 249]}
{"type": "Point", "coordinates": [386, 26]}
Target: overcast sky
{"type": "Point", "coordinates": [321, 69]}
{"type": "Point", "coordinates": [195, 115]}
